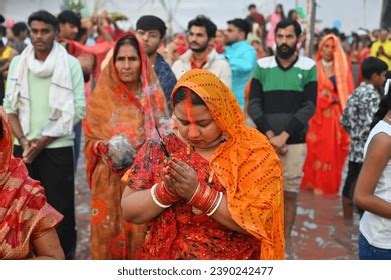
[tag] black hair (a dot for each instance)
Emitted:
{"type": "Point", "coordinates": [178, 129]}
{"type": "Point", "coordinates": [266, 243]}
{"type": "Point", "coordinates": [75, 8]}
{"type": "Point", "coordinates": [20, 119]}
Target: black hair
{"type": "Point", "coordinates": [19, 27]}
{"type": "Point", "coordinates": [1, 43]}
{"type": "Point", "coordinates": [270, 51]}
{"type": "Point", "coordinates": [251, 6]}
{"type": "Point", "coordinates": [242, 24]}
{"type": "Point", "coordinates": [291, 14]}
{"type": "Point", "coordinates": [150, 22]}
{"type": "Point", "coordinates": [2, 19]}
{"type": "Point", "coordinates": [45, 17]}
{"type": "Point", "coordinates": [126, 41]}
{"type": "Point", "coordinates": [372, 65]}
{"type": "Point", "coordinates": [3, 31]}
{"type": "Point", "coordinates": [327, 31]}
{"type": "Point", "coordinates": [80, 33]}
{"type": "Point", "coordinates": [384, 107]}
{"type": "Point", "coordinates": [282, 10]}
{"type": "Point", "coordinates": [68, 16]}
{"type": "Point", "coordinates": [284, 23]}
{"type": "Point", "coordinates": [204, 21]}
{"type": "Point", "coordinates": [182, 93]}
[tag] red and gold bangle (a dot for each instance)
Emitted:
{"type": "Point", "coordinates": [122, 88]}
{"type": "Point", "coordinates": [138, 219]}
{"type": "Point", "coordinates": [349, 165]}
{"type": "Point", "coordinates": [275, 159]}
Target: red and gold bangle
{"type": "Point", "coordinates": [165, 196]}
{"type": "Point", "coordinates": [205, 200]}
{"type": "Point", "coordinates": [216, 205]}
{"type": "Point", "coordinates": [206, 203]}
{"type": "Point", "coordinates": [194, 193]}
{"type": "Point", "coordinates": [211, 201]}
{"type": "Point", "coordinates": [156, 200]}
{"type": "Point", "coordinates": [200, 197]}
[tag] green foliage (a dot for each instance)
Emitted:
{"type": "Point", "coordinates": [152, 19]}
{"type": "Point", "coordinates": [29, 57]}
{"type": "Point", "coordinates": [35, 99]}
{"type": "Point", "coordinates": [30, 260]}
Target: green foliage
{"type": "Point", "coordinates": [76, 5]}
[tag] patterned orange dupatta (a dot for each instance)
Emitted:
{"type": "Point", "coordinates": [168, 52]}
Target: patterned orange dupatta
{"type": "Point", "coordinates": [24, 213]}
{"type": "Point", "coordinates": [114, 110]}
{"type": "Point", "coordinates": [246, 165]}
{"type": "Point", "coordinates": [342, 71]}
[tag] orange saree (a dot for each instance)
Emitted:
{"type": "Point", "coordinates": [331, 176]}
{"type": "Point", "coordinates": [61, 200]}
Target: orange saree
{"type": "Point", "coordinates": [114, 110]}
{"type": "Point", "coordinates": [248, 170]}
{"type": "Point", "coordinates": [24, 213]}
{"type": "Point", "coordinates": [327, 141]}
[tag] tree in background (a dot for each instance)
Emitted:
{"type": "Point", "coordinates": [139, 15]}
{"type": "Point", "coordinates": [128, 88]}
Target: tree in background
{"type": "Point", "coordinates": [386, 14]}
{"type": "Point", "coordinates": [170, 7]}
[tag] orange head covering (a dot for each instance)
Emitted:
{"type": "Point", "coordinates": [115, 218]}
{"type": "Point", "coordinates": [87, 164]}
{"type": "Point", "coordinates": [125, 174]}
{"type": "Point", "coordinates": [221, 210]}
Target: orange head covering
{"type": "Point", "coordinates": [113, 109]}
{"type": "Point", "coordinates": [246, 165]}
{"type": "Point", "coordinates": [342, 70]}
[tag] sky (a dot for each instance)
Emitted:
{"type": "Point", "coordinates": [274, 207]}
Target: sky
{"type": "Point", "coordinates": [351, 13]}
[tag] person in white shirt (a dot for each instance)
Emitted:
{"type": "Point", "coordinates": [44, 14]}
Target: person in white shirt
{"type": "Point", "coordinates": [373, 189]}
{"type": "Point", "coordinates": [202, 54]}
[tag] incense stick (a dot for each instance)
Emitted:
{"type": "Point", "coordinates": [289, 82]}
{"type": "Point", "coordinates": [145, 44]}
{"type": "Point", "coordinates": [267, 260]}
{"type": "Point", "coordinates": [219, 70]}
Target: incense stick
{"type": "Point", "coordinates": [163, 146]}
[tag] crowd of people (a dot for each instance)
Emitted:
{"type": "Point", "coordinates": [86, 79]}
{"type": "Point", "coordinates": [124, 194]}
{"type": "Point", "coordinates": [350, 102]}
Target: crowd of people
{"type": "Point", "coordinates": [197, 145]}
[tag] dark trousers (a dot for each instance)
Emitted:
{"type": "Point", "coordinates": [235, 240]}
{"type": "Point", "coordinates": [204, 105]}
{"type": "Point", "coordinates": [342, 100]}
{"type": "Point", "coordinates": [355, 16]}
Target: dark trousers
{"type": "Point", "coordinates": [354, 169]}
{"type": "Point", "coordinates": [76, 143]}
{"type": "Point", "coordinates": [54, 169]}
{"type": "Point", "coordinates": [2, 89]}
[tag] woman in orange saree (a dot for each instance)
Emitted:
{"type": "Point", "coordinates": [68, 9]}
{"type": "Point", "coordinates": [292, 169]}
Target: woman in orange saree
{"type": "Point", "coordinates": [124, 108]}
{"type": "Point", "coordinates": [27, 221]}
{"type": "Point", "coordinates": [218, 195]}
{"type": "Point", "coordinates": [327, 141]}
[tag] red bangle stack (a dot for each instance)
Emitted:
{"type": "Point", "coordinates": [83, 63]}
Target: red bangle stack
{"type": "Point", "coordinates": [204, 199]}
{"type": "Point", "coordinates": [165, 196]}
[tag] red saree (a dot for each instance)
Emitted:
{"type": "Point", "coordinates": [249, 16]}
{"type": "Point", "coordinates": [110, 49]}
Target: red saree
{"type": "Point", "coordinates": [327, 141]}
{"type": "Point", "coordinates": [178, 233]}
{"type": "Point", "coordinates": [24, 213]}
{"type": "Point", "coordinates": [114, 110]}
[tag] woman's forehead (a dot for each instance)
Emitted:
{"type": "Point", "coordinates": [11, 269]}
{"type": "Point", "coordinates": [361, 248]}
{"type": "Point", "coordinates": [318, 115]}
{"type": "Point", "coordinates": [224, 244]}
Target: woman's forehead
{"type": "Point", "coordinates": [185, 110]}
{"type": "Point", "coordinates": [330, 42]}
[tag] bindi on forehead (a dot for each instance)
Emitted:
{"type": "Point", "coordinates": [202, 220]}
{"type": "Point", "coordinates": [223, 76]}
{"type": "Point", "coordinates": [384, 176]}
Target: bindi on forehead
{"type": "Point", "coordinates": [330, 42]}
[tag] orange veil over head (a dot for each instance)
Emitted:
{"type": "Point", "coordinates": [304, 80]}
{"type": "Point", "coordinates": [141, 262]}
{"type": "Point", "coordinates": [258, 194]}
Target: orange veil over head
{"type": "Point", "coordinates": [246, 165]}
{"type": "Point", "coordinates": [114, 110]}
{"type": "Point", "coordinates": [342, 70]}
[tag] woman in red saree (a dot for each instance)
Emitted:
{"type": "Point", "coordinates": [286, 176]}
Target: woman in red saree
{"type": "Point", "coordinates": [126, 103]}
{"type": "Point", "coordinates": [27, 221]}
{"type": "Point", "coordinates": [219, 195]}
{"type": "Point", "coordinates": [327, 141]}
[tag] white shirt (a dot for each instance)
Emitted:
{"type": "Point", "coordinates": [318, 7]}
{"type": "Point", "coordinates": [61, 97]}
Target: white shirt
{"type": "Point", "coordinates": [376, 229]}
{"type": "Point", "coordinates": [216, 63]}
